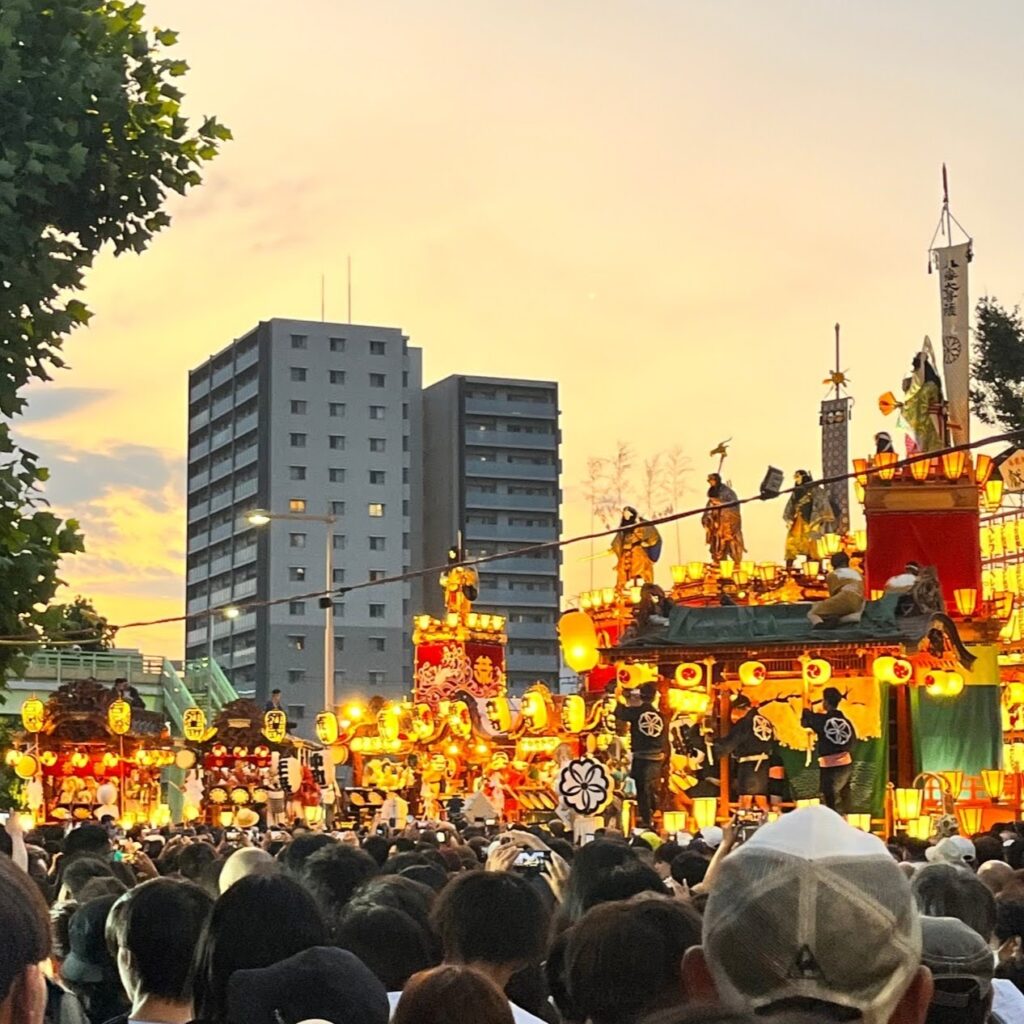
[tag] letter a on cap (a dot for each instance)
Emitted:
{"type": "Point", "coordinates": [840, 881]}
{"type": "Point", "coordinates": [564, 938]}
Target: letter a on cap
{"type": "Point", "coordinates": [805, 965]}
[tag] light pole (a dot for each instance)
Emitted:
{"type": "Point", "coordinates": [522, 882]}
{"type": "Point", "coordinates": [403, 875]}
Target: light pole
{"type": "Point", "coordinates": [261, 517]}
{"type": "Point", "coordinates": [230, 612]}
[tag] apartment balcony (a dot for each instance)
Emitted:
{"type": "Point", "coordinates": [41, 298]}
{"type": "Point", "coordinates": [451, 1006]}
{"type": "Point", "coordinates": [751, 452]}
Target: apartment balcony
{"type": "Point", "coordinates": [513, 502]}
{"type": "Point", "coordinates": [247, 588]}
{"type": "Point", "coordinates": [221, 500]}
{"type": "Point", "coordinates": [221, 375]}
{"type": "Point", "coordinates": [243, 360]}
{"type": "Point", "coordinates": [245, 424]}
{"type": "Point", "coordinates": [499, 599]}
{"type": "Point", "coordinates": [197, 543]}
{"type": "Point", "coordinates": [198, 451]}
{"type": "Point", "coordinates": [196, 481]}
{"type": "Point", "coordinates": [541, 664]}
{"type": "Point", "coordinates": [511, 439]}
{"type": "Point", "coordinates": [500, 407]}
{"type": "Point", "coordinates": [246, 456]}
{"type": "Point", "coordinates": [246, 489]}
{"type": "Point", "coordinates": [198, 419]}
{"type": "Point", "coordinates": [221, 468]}
{"type": "Point", "coordinates": [220, 437]}
{"type": "Point", "coordinates": [200, 388]}
{"type": "Point", "coordinates": [523, 564]}
{"type": "Point", "coordinates": [194, 575]}
{"type": "Point", "coordinates": [221, 406]}
{"type": "Point", "coordinates": [219, 565]}
{"type": "Point", "coordinates": [532, 631]}
{"type": "Point", "coordinates": [243, 556]}
{"type": "Point", "coordinates": [246, 391]}
{"type": "Point", "coordinates": [511, 471]}
{"type": "Point", "coordinates": [197, 512]}
{"type": "Point", "coordinates": [511, 534]}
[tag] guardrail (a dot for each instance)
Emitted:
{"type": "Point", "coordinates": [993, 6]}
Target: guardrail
{"type": "Point", "coordinates": [104, 665]}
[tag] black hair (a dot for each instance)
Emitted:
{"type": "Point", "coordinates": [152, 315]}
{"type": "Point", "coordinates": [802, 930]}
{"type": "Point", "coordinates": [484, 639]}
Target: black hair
{"type": "Point", "coordinates": [1009, 918]}
{"type": "Point", "coordinates": [412, 898]}
{"type": "Point", "coordinates": [377, 847]}
{"type": "Point", "coordinates": [647, 691]}
{"type": "Point", "coordinates": [88, 839]}
{"type": "Point", "coordinates": [302, 847]}
{"type": "Point", "coordinates": [667, 852]}
{"type": "Point", "coordinates": [840, 560]}
{"type": "Point", "coordinates": [624, 959]}
{"type": "Point", "coordinates": [194, 859]}
{"type": "Point", "coordinates": [159, 923]}
{"type": "Point", "coordinates": [590, 866]}
{"type": "Point", "coordinates": [491, 917]}
{"type": "Point", "coordinates": [942, 890]}
{"type": "Point", "coordinates": [689, 868]}
{"type": "Point", "coordinates": [82, 869]}
{"type": "Point", "coordinates": [94, 888]}
{"type": "Point", "coordinates": [987, 848]}
{"type": "Point", "coordinates": [624, 881]}
{"type": "Point", "coordinates": [24, 925]}
{"type": "Point", "coordinates": [831, 697]}
{"type": "Point", "coordinates": [391, 943]}
{"type": "Point", "coordinates": [260, 921]}
{"type": "Point", "coordinates": [275, 690]}
{"type": "Point", "coordinates": [333, 874]}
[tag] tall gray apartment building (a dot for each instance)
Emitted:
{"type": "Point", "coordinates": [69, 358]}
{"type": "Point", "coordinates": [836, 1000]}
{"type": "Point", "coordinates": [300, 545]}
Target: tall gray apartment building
{"type": "Point", "coordinates": [491, 471]}
{"type": "Point", "coordinates": [303, 418]}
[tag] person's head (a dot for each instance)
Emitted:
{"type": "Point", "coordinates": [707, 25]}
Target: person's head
{"type": "Point", "coordinates": [840, 560]}
{"type": "Point", "coordinates": [259, 921]}
{"type": "Point", "coordinates": [956, 850]}
{"type": "Point", "coordinates": [622, 882]}
{"type": "Point", "coordinates": [24, 945]}
{"type": "Point", "coordinates": [195, 859]}
{"type": "Point", "coordinates": [102, 886]}
{"type": "Point", "coordinates": [664, 855]}
{"type": "Point", "coordinates": [493, 919]}
{"type": "Point", "coordinates": [152, 931]}
{"type": "Point", "coordinates": [86, 839]}
{"type": "Point", "coordinates": [1009, 929]}
{"type": "Point", "coordinates": [377, 848]}
{"type": "Point", "coordinates": [689, 868]}
{"type": "Point", "coordinates": [913, 568]}
{"type": "Point", "coordinates": [802, 477]}
{"type": "Point", "coordinates": [334, 872]}
{"type": "Point", "coordinates": [316, 984]}
{"type": "Point", "coordinates": [624, 959]}
{"type": "Point", "coordinates": [647, 691]}
{"type": "Point", "coordinates": [275, 696]}
{"type": "Point", "coordinates": [90, 970]}
{"type": "Point", "coordinates": [590, 866]}
{"type": "Point", "coordinates": [452, 994]}
{"type": "Point", "coordinates": [962, 969]}
{"type": "Point", "coordinates": [995, 875]}
{"type": "Point", "coordinates": [81, 870]}
{"type": "Point", "coordinates": [942, 890]}
{"type": "Point", "coordinates": [987, 848]}
{"type": "Point", "coordinates": [831, 698]}
{"type": "Point", "coordinates": [812, 914]}
{"type": "Point", "coordinates": [294, 856]}
{"type": "Point", "coordinates": [244, 862]}
{"type": "Point", "coordinates": [394, 945]}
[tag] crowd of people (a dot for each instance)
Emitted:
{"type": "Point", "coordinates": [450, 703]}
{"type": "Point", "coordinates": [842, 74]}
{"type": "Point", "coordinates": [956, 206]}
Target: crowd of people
{"type": "Point", "coordinates": [804, 919]}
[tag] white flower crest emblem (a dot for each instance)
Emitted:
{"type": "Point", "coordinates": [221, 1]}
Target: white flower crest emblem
{"type": "Point", "coordinates": [838, 730]}
{"type": "Point", "coordinates": [585, 786]}
{"type": "Point", "coordinates": [650, 724]}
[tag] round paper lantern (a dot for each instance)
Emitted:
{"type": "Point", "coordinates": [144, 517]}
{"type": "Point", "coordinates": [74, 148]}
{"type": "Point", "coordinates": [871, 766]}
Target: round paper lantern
{"type": "Point", "coordinates": [535, 710]}
{"type": "Point", "coordinates": [817, 670]}
{"type": "Point", "coordinates": [896, 671]}
{"type": "Point", "coordinates": [34, 794]}
{"type": "Point", "coordinates": [26, 766]}
{"type": "Point", "coordinates": [240, 752]}
{"type": "Point", "coordinates": [954, 684]}
{"type": "Point", "coordinates": [327, 727]}
{"type": "Point", "coordinates": [48, 758]}
{"type": "Point", "coordinates": [33, 712]}
{"type": "Point", "coordinates": [119, 717]}
{"type": "Point", "coordinates": [259, 795]}
{"type": "Point", "coordinates": [934, 681]}
{"type": "Point", "coordinates": [689, 674]}
{"type": "Point", "coordinates": [193, 722]}
{"type": "Point", "coordinates": [219, 795]}
{"type": "Point", "coordinates": [239, 795]}
{"type": "Point", "coordinates": [275, 725]}
{"type": "Point", "coordinates": [339, 754]}
{"type": "Point", "coordinates": [752, 673]}
{"type": "Point", "coordinates": [499, 714]}
{"type": "Point", "coordinates": [388, 723]}
{"type": "Point", "coordinates": [185, 759]}
{"type": "Point", "coordinates": [107, 793]}
{"type": "Point", "coordinates": [574, 713]}
{"type": "Point", "coordinates": [579, 641]}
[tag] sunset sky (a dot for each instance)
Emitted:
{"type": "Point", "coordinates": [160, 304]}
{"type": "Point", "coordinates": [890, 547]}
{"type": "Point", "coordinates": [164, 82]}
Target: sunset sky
{"type": "Point", "coordinates": [664, 205]}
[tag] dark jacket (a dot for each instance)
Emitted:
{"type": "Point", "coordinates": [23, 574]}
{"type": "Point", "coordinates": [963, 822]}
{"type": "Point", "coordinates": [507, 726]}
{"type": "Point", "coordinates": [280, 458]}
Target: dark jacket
{"type": "Point", "coordinates": [753, 734]}
{"type": "Point", "coordinates": [834, 730]}
{"type": "Point", "coordinates": [648, 735]}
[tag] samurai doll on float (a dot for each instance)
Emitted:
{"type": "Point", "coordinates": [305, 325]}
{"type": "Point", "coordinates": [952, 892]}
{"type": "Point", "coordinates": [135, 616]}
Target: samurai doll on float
{"type": "Point", "coordinates": [723, 522]}
{"type": "Point", "coordinates": [923, 409]}
{"type": "Point", "coordinates": [808, 516]}
{"type": "Point", "coordinates": [637, 546]}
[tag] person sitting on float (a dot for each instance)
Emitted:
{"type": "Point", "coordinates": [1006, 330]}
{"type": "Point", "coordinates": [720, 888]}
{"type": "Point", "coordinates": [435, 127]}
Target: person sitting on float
{"type": "Point", "coordinates": [845, 602]}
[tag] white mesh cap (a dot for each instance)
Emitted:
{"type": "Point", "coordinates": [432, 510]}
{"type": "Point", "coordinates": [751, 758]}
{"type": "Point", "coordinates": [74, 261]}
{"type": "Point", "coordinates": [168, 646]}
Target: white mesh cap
{"type": "Point", "coordinates": [811, 908]}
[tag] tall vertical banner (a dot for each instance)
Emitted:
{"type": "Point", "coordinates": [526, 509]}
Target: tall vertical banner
{"type": "Point", "coordinates": [951, 263]}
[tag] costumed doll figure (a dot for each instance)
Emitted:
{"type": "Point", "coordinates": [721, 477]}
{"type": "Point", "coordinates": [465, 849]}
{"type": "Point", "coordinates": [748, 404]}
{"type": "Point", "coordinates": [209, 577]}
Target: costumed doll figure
{"type": "Point", "coordinates": [637, 546]}
{"type": "Point", "coordinates": [193, 795]}
{"type": "Point", "coordinates": [808, 516]}
{"type": "Point", "coordinates": [723, 522]}
{"type": "Point", "coordinates": [923, 409]}
{"type": "Point", "coordinates": [460, 584]}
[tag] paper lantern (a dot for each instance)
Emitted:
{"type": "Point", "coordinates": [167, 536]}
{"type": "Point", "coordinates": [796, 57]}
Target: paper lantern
{"type": "Point", "coordinates": [119, 717]}
{"type": "Point", "coordinates": [239, 795]}
{"type": "Point", "coordinates": [920, 468]}
{"type": "Point", "coordinates": [993, 493]}
{"type": "Point", "coordinates": [689, 674]}
{"type": "Point", "coordinates": [955, 781]}
{"type": "Point", "coordinates": [574, 713]}
{"type": "Point", "coordinates": [860, 471]}
{"type": "Point", "coordinates": [695, 570]}
{"type": "Point", "coordinates": [499, 715]}
{"type": "Point", "coordinates": [194, 724]}
{"type": "Point", "coordinates": [275, 725]}
{"type": "Point", "coordinates": [726, 568]}
{"type": "Point", "coordinates": [934, 682]}
{"type": "Point", "coordinates": [992, 779]}
{"type": "Point", "coordinates": [535, 710]}
{"type": "Point", "coordinates": [982, 469]}
{"type": "Point", "coordinates": [896, 671]}
{"type": "Point", "coordinates": [185, 759]}
{"type": "Point", "coordinates": [688, 702]}
{"type": "Point", "coordinates": [26, 766]}
{"type": "Point", "coordinates": [33, 712]}
{"type": "Point", "coordinates": [327, 727]}
{"type": "Point", "coordinates": [705, 809]}
{"type": "Point", "coordinates": [389, 723]}
{"type": "Point", "coordinates": [969, 819]}
{"type": "Point", "coordinates": [953, 465]}
{"type": "Point", "coordinates": [1014, 694]}
{"type": "Point", "coordinates": [678, 574]}
{"type": "Point", "coordinates": [954, 684]}
{"type": "Point", "coordinates": [107, 793]}
{"type": "Point", "coordinates": [818, 671]}
{"type": "Point", "coordinates": [966, 600]}
{"type": "Point", "coordinates": [812, 567]}
{"type": "Point", "coordinates": [579, 642]}
{"type": "Point", "coordinates": [861, 821]}
{"type": "Point", "coordinates": [226, 818]}
{"type": "Point", "coordinates": [752, 673]}
{"type": "Point", "coordinates": [920, 828]}
{"type": "Point", "coordinates": [673, 821]}
{"type": "Point", "coordinates": [885, 463]}
{"type": "Point", "coordinates": [907, 803]}
{"type": "Point", "coordinates": [48, 758]}
{"type": "Point", "coordinates": [810, 801]}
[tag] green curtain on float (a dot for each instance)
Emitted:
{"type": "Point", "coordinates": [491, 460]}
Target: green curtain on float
{"type": "Point", "coordinates": [870, 768]}
{"type": "Point", "coordinates": [962, 733]}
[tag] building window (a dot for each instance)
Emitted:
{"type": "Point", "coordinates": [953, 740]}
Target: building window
{"type": "Point", "coordinates": [297, 505]}
{"type": "Point", "coordinates": [296, 573]}
{"type": "Point", "coordinates": [297, 641]}
{"type": "Point", "coordinates": [405, 410]}
{"type": "Point", "coordinates": [296, 540]}
{"type": "Point", "coordinates": [405, 378]}
{"type": "Point", "coordinates": [376, 543]}
{"type": "Point", "coordinates": [336, 475]}
{"type": "Point", "coordinates": [337, 344]}
{"type": "Point", "coordinates": [377, 476]}
{"type": "Point", "coordinates": [298, 341]}
{"type": "Point", "coordinates": [405, 442]}
{"type": "Point", "coordinates": [297, 440]}
{"type": "Point", "coordinates": [377, 380]}
{"type": "Point", "coordinates": [296, 675]}
{"type": "Point", "coordinates": [296, 472]}
{"type": "Point", "coordinates": [338, 575]}
{"type": "Point", "coordinates": [339, 542]}
{"type": "Point", "coordinates": [336, 409]}
{"type": "Point", "coordinates": [376, 574]}
{"type": "Point", "coordinates": [376, 611]}
{"type": "Point", "coordinates": [378, 348]}
{"type": "Point", "coordinates": [405, 506]}
{"type": "Point", "coordinates": [337, 508]}
{"type": "Point", "coordinates": [337, 376]}
{"type": "Point", "coordinates": [338, 608]}
{"type": "Point", "coordinates": [376, 412]}
{"type": "Point", "coordinates": [376, 679]}
{"type": "Point", "coordinates": [375, 509]}
{"type": "Point", "coordinates": [405, 475]}
{"type": "Point", "coordinates": [298, 374]}
{"type": "Point", "coordinates": [405, 542]}
{"type": "Point", "coordinates": [337, 442]}
{"type": "Point", "coordinates": [377, 643]}
{"type": "Point", "coordinates": [296, 607]}
{"type": "Point", "coordinates": [378, 444]}
{"type": "Point", "coordinates": [339, 645]}
{"type": "Point", "coordinates": [298, 407]}
{"type": "Point", "coordinates": [296, 712]}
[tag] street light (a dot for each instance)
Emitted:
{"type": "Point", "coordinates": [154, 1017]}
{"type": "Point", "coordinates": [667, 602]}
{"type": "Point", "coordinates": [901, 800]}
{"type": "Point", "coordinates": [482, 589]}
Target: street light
{"type": "Point", "coordinates": [262, 517]}
{"type": "Point", "coordinates": [230, 612]}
